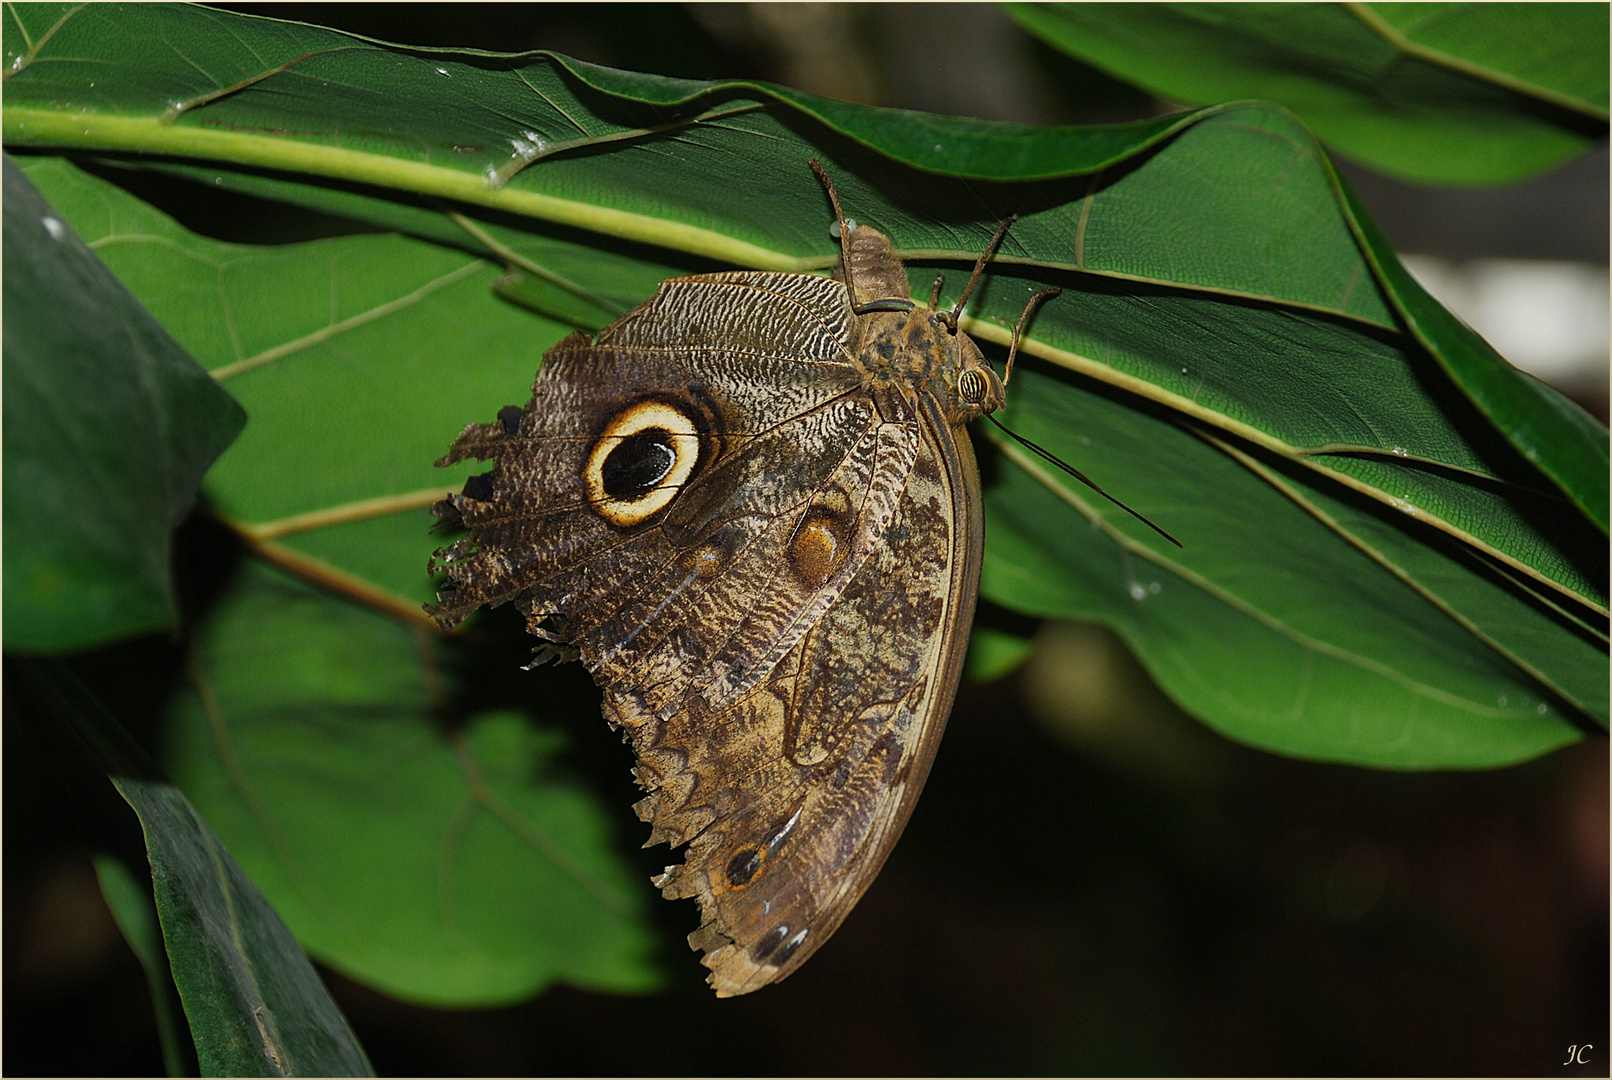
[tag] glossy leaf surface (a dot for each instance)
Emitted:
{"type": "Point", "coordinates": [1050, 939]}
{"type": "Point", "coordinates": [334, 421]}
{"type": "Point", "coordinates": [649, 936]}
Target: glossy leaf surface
{"type": "Point", "coordinates": [1279, 635]}
{"type": "Point", "coordinates": [256, 1007]}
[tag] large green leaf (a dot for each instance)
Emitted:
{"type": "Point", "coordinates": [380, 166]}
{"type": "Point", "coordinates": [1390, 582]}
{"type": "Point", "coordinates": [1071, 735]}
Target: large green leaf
{"type": "Point", "coordinates": [108, 429]}
{"type": "Point", "coordinates": [1217, 277]}
{"type": "Point", "coordinates": [1281, 633]}
{"type": "Point", "coordinates": [448, 866]}
{"type": "Point", "coordinates": [1437, 93]}
{"type": "Point", "coordinates": [256, 1006]}
{"type": "Point", "coordinates": [1248, 207]}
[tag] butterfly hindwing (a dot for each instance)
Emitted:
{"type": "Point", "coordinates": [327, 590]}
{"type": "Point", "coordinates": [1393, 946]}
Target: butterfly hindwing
{"type": "Point", "coordinates": [793, 830]}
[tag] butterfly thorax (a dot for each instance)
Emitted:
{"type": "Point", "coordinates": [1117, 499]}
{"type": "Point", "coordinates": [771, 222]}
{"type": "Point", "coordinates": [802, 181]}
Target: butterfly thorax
{"type": "Point", "coordinates": [918, 350]}
{"type": "Point", "coordinates": [910, 347]}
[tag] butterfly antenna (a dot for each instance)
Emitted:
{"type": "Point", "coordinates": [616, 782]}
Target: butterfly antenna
{"type": "Point", "coordinates": [1083, 478]}
{"type": "Point", "coordinates": [839, 217]}
{"type": "Point", "coordinates": [979, 268]}
{"type": "Point", "coordinates": [1024, 317]}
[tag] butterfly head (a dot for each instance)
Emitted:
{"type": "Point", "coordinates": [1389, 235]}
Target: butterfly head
{"type": "Point", "coordinates": [979, 391]}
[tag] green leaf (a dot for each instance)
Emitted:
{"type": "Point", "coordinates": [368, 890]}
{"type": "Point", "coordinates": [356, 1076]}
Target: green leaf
{"type": "Point", "coordinates": [256, 1006]}
{"type": "Point", "coordinates": [135, 912]}
{"type": "Point", "coordinates": [1557, 435]}
{"type": "Point", "coordinates": [1436, 93]}
{"type": "Point", "coordinates": [108, 429]}
{"type": "Point", "coordinates": [1326, 630]}
{"type": "Point", "coordinates": [993, 654]}
{"type": "Point", "coordinates": [1218, 280]}
{"type": "Point", "coordinates": [451, 866]}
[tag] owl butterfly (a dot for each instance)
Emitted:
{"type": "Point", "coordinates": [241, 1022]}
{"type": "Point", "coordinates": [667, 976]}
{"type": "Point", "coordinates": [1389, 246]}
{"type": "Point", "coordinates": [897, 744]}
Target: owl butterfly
{"type": "Point", "coordinates": [751, 508]}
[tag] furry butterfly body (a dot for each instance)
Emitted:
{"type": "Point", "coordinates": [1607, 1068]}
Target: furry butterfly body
{"type": "Point", "coordinates": [750, 507]}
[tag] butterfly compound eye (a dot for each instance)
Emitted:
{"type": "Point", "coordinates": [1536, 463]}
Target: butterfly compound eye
{"type": "Point", "coordinates": [639, 461]}
{"type": "Point", "coordinates": [972, 386]}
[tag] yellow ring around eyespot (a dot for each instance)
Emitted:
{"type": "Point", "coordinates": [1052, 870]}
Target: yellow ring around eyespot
{"type": "Point", "coordinates": [644, 416]}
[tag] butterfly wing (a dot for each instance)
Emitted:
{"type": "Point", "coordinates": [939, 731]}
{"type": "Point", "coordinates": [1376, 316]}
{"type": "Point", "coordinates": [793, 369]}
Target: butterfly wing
{"type": "Point", "coordinates": [767, 563]}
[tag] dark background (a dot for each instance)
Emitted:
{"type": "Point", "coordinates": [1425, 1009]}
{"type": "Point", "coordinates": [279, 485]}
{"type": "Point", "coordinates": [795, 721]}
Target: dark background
{"type": "Point", "coordinates": [1093, 882]}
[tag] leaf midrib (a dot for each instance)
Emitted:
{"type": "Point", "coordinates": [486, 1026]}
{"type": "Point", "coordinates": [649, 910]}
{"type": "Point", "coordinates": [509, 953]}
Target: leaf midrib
{"type": "Point", "coordinates": [89, 130]}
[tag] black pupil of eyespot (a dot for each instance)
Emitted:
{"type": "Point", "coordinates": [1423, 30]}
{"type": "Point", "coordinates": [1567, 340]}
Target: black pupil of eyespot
{"type": "Point", "coordinates": [638, 463]}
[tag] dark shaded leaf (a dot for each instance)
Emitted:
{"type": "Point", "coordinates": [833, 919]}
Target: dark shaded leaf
{"type": "Point", "coordinates": [109, 426]}
{"type": "Point", "coordinates": [135, 911]}
{"type": "Point", "coordinates": [255, 1005]}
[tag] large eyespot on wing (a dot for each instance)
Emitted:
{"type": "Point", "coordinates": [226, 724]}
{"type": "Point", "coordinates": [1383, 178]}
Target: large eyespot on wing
{"type": "Point", "coordinates": [640, 461]}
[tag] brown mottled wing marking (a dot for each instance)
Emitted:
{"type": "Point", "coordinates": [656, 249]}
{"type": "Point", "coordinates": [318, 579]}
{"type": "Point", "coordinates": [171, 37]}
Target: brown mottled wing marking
{"type": "Point", "coordinates": [791, 836]}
